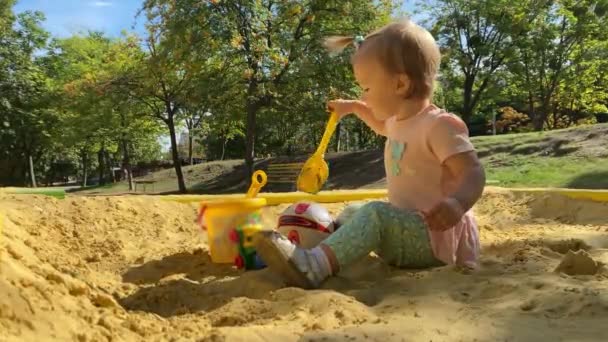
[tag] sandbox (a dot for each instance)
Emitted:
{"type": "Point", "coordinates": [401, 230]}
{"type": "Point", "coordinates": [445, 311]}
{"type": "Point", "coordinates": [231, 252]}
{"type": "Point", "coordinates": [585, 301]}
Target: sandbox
{"type": "Point", "coordinates": [136, 268]}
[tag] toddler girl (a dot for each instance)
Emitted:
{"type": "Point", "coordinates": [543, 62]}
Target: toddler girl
{"type": "Point", "coordinates": [433, 174]}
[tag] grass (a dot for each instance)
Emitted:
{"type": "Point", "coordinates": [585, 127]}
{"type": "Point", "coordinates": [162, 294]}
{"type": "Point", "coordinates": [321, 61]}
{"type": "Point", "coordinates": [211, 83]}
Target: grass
{"type": "Point", "coordinates": [164, 185]}
{"type": "Point", "coordinates": [484, 141]}
{"type": "Point", "coordinates": [563, 172]}
{"type": "Point", "coordinates": [569, 158]}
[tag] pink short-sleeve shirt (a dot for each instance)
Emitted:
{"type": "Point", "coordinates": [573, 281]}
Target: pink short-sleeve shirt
{"type": "Point", "coordinates": [415, 151]}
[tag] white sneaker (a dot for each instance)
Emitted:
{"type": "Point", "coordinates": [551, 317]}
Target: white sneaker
{"type": "Point", "coordinates": [298, 266]}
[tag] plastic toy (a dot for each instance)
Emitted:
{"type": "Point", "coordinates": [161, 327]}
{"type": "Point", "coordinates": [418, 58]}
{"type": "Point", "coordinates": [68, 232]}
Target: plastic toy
{"type": "Point", "coordinates": [242, 237]}
{"type": "Point", "coordinates": [315, 170]}
{"type": "Point", "coordinates": [231, 223]}
{"type": "Point", "coordinates": [306, 224]}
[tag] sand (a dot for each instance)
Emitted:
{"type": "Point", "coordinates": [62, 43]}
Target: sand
{"type": "Point", "coordinates": [137, 269]}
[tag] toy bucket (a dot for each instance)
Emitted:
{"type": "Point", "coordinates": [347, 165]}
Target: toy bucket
{"type": "Point", "coordinates": [220, 217]}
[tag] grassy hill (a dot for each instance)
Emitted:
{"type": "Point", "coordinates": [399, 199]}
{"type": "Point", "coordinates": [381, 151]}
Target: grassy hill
{"type": "Point", "coordinates": [574, 158]}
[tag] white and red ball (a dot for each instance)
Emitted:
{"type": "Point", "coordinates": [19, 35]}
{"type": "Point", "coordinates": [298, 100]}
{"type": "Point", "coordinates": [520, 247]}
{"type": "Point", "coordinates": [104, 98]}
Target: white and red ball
{"type": "Point", "coordinates": [306, 223]}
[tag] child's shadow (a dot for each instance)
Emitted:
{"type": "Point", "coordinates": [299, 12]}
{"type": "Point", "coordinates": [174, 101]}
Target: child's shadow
{"type": "Point", "coordinates": [189, 282]}
{"type": "Point", "coordinates": [183, 296]}
{"type": "Point", "coordinates": [196, 265]}
{"type": "Point", "coordinates": [360, 279]}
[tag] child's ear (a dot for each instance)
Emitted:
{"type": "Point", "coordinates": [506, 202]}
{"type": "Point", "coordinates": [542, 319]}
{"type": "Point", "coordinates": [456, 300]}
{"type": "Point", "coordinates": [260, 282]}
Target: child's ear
{"type": "Point", "coordinates": [403, 85]}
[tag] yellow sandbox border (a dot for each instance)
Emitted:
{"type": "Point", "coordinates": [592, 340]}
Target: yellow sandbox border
{"type": "Point", "coordinates": [364, 194]}
{"type": "Point", "coordinates": [592, 195]}
{"type": "Point", "coordinates": [273, 198]}
{"type": "Point", "coordinates": [358, 195]}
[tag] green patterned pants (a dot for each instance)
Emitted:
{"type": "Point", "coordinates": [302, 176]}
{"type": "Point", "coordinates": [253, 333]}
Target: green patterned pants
{"type": "Point", "coordinates": [400, 237]}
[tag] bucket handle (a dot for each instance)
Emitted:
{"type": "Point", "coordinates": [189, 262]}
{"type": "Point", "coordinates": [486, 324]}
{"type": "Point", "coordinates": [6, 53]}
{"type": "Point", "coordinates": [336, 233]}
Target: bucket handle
{"type": "Point", "coordinates": [258, 180]}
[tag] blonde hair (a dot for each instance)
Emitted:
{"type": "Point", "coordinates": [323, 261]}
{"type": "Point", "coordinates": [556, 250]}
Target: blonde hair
{"type": "Point", "coordinates": [400, 47]}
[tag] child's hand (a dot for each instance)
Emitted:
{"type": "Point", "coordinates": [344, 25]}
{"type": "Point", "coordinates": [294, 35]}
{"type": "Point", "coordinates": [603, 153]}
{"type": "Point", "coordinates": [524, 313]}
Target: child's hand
{"type": "Point", "coordinates": [444, 215]}
{"type": "Point", "coordinates": [344, 107]}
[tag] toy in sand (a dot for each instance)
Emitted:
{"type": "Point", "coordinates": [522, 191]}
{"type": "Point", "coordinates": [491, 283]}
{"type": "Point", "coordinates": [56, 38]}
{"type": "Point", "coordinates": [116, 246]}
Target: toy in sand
{"type": "Point", "coordinates": [306, 224]}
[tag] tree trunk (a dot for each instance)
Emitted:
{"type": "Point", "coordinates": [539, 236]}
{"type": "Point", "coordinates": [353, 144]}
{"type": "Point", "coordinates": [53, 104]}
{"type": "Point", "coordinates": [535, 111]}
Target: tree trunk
{"type": "Point", "coordinates": [224, 147]}
{"type": "Point", "coordinates": [529, 86]}
{"type": "Point", "coordinates": [109, 166]}
{"type": "Point", "coordinates": [126, 163]}
{"type": "Point", "coordinates": [531, 108]}
{"type": "Point", "coordinates": [24, 173]}
{"type": "Point", "coordinates": [467, 103]}
{"type": "Point", "coordinates": [85, 168]}
{"type": "Point", "coordinates": [539, 121]}
{"type": "Point", "coordinates": [177, 163]}
{"type": "Point", "coordinates": [190, 138]}
{"type": "Point", "coordinates": [347, 140]}
{"type": "Point", "coordinates": [338, 131]}
{"type": "Point", "coordinates": [32, 174]}
{"type": "Point", "coordinates": [361, 140]}
{"type": "Point", "coordinates": [541, 115]}
{"type": "Point", "coordinates": [101, 166]}
{"type": "Point", "coordinates": [50, 176]}
{"type": "Point", "coordinates": [250, 138]}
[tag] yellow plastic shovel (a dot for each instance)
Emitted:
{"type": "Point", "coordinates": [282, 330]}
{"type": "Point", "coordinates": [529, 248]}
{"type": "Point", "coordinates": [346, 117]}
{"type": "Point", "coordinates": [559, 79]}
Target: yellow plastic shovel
{"type": "Point", "coordinates": [315, 171]}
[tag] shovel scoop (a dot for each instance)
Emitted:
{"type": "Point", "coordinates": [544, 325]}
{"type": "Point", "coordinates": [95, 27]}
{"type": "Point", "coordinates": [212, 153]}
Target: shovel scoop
{"type": "Point", "coordinates": [315, 171]}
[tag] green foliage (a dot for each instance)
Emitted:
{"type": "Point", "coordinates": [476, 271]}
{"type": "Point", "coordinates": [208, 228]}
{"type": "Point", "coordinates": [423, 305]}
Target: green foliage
{"type": "Point", "coordinates": [542, 57]}
{"type": "Point", "coordinates": [96, 115]}
{"type": "Point", "coordinates": [478, 38]}
{"type": "Point", "coordinates": [25, 118]}
{"type": "Point", "coordinates": [560, 57]}
{"type": "Point", "coordinates": [275, 75]}
{"type": "Point", "coordinates": [57, 107]}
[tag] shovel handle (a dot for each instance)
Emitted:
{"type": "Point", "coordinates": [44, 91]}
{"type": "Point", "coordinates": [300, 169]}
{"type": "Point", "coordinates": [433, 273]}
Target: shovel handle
{"type": "Point", "coordinates": [329, 130]}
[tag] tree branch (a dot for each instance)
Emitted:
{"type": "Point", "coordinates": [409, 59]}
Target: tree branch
{"type": "Point", "coordinates": [292, 50]}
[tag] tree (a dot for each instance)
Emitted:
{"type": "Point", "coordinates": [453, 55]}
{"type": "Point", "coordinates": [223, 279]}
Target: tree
{"type": "Point", "coordinates": [98, 117]}
{"type": "Point", "coordinates": [74, 63]}
{"type": "Point", "coordinates": [558, 47]}
{"type": "Point", "coordinates": [582, 90]}
{"type": "Point", "coordinates": [137, 130]}
{"type": "Point", "coordinates": [477, 39]}
{"type": "Point", "coordinates": [25, 118]}
{"type": "Point", "coordinates": [164, 78]}
{"type": "Point", "coordinates": [269, 40]}
{"type": "Point", "coordinates": [273, 38]}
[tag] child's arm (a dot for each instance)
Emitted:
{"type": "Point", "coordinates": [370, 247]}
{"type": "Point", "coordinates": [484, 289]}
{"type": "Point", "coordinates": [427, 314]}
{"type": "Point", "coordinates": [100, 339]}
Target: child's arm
{"type": "Point", "coordinates": [449, 141]}
{"type": "Point", "coordinates": [470, 176]}
{"type": "Point", "coordinates": [466, 171]}
{"type": "Point", "coordinates": [361, 110]}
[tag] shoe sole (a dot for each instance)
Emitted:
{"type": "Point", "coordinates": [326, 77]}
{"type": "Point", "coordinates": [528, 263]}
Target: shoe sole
{"type": "Point", "coordinates": [279, 262]}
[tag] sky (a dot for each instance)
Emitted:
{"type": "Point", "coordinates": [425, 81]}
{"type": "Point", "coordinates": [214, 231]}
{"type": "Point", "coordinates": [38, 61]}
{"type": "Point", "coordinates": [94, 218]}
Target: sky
{"type": "Point", "coordinates": [65, 17]}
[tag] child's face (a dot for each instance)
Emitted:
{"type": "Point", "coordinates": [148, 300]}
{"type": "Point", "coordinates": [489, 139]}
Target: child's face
{"type": "Point", "coordinates": [381, 91]}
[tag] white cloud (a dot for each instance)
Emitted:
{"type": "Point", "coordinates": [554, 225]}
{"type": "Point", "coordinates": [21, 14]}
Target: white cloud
{"type": "Point", "coordinates": [101, 3]}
